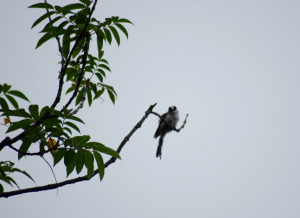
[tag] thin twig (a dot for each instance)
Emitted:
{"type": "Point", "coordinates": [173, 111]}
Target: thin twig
{"type": "Point", "coordinates": [33, 154]}
{"type": "Point", "coordinates": [52, 172]}
{"type": "Point", "coordinates": [83, 178]}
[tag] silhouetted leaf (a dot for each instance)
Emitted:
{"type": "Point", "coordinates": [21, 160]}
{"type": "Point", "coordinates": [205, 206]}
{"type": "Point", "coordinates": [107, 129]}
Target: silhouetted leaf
{"type": "Point", "coordinates": [44, 39]}
{"type": "Point", "coordinates": [100, 164]}
{"type": "Point", "coordinates": [59, 155]}
{"type": "Point", "coordinates": [116, 34]}
{"type": "Point", "coordinates": [34, 111]}
{"type": "Point", "coordinates": [72, 125]}
{"type": "Point", "coordinates": [12, 101]}
{"type": "Point", "coordinates": [45, 16]}
{"type": "Point", "coordinates": [18, 94]}
{"type": "Point", "coordinates": [122, 28]}
{"type": "Point", "coordinates": [42, 5]}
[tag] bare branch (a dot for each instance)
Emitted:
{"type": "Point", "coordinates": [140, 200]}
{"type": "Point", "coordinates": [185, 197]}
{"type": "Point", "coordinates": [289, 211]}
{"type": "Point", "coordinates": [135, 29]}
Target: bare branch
{"type": "Point", "coordinates": [33, 154]}
{"type": "Point", "coordinates": [83, 178]}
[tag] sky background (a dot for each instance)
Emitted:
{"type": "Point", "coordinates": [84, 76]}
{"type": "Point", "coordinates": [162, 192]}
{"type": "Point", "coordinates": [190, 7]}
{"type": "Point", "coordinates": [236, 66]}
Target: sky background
{"type": "Point", "coordinates": [232, 65]}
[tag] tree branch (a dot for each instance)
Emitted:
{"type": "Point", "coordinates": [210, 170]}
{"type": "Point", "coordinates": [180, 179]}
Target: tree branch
{"type": "Point", "coordinates": [62, 74]}
{"type": "Point", "coordinates": [83, 178]}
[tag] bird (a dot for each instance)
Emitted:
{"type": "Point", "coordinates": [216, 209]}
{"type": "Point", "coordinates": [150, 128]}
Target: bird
{"type": "Point", "coordinates": [171, 117]}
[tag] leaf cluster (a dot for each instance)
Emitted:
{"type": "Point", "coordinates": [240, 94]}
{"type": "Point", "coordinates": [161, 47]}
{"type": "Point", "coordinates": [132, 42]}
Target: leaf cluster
{"type": "Point", "coordinates": [51, 130]}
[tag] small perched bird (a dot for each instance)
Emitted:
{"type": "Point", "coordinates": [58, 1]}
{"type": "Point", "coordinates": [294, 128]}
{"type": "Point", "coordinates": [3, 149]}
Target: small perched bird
{"type": "Point", "coordinates": [172, 117]}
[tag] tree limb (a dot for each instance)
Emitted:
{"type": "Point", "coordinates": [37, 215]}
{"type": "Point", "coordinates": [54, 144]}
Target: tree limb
{"type": "Point", "coordinates": [62, 74]}
{"type": "Point", "coordinates": [83, 178]}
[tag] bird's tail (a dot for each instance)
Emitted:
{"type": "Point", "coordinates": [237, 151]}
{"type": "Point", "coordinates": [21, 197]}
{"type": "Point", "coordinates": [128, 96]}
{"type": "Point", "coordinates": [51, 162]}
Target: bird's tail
{"type": "Point", "coordinates": [160, 143]}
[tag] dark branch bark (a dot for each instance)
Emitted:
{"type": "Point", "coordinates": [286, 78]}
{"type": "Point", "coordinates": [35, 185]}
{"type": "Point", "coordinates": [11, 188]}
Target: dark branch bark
{"type": "Point", "coordinates": [83, 178]}
{"type": "Point", "coordinates": [33, 154]}
{"type": "Point", "coordinates": [62, 74]}
{"type": "Point", "coordinates": [86, 49]}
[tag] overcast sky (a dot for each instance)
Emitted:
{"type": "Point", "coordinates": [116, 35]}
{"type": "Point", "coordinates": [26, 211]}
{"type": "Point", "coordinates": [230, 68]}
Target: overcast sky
{"type": "Point", "coordinates": [232, 65]}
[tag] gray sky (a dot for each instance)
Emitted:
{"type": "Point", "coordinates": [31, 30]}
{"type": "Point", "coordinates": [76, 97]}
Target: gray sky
{"type": "Point", "coordinates": [232, 65]}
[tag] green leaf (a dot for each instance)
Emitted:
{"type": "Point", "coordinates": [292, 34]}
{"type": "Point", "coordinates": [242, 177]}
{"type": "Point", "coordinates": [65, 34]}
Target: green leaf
{"type": "Point", "coordinates": [18, 94]}
{"type": "Point", "coordinates": [69, 156]}
{"type": "Point", "coordinates": [100, 55]}
{"type": "Point", "coordinates": [34, 111]}
{"type": "Point", "coordinates": [73, 126]}
{"type": "Point", "coordinates": [66, 42]}
{"type": "Point", "coordinates": [100, 164]}
{"type": "Point", "coordinates": [12, 101]}
{"type": "Point", "coordinates": [108, 21]}
{"type": "Point", "coordinates": [71, 89]}
{"type": "Point", "coordinates": [122, 20]}
{"type": "Point", "coordinates": [122, 28]}
{"type": "Point", "coordinates": [16, 113]}
{"type": "Point", "coordinates": [33, 134]}
{"type": "Point", "coordinates": [103, 149]}
{"type": "Point", "coordinates": [104, 66]}
{"type": "Point", "coordinates": [50, 24]}
{"type": "Point", "coordinates": [75, 118]}
{"type": "Point", "coordinates": [42, 5]}
{"type": "Point", "coordinates": [86, 2]}
{"type": "Point", "coordinates": [111, 96]}
{"type": "Point", "coordinates": [89, 163]}
{"type": "Point", "coordinates": [71, 166]}
{"type": "Point", "coordinates": [80, 96]}
{"type": "Point", "coordinates": [115, 19]}
{"type": "Point", "coordinates": [99, 77]}
{"type": "Point", "coordinates": [108, 35]}
{"type": "Point", "coordinates": [20, 124]}
{"type": "Point", "coordinates": [45, 16]}
{"type": "Point", "coordinates": [59, 155]}
{"type": "Point", "coordinates": [104, 61]}
{"type": "Point", "coordinates": [66, 128]}
{"type": "Point", "coordinates": [3, 103]}
{"type": "Point", "coordinates": [11, 179]}
{"type": "Point", "coordinates": [84, 139]}
{"type": "Point", "coordinates": [1, 88]}
{"type": "Point", "coordinates": [99, 93]}
{"type": "Point", "coordinates": [78, 48]}
{"type": "Point", "coordinates": [1, 188]}
{"type": "Point", "coordinates": [24, 148]}
{"type": "Point", "coordinates": [6, 87]}
{"type": "Point", "coordinates": [79, 161]}
{"type": "Point", "coordinates": [23, 172]}
{"type": "Point", "coordinates": [116, 34]}
{"type": "Point", "coordinates": [100, 46]}
{"type": "Point", "coordinates": [44, 39]}
{"type": "Point", "coordinates": [90, 98]}
{"type": "Point", "coordinates": [74, 7]}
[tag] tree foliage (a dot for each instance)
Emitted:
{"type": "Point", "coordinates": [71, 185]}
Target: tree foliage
{"type": "Point", "coordinates": [50, 129]}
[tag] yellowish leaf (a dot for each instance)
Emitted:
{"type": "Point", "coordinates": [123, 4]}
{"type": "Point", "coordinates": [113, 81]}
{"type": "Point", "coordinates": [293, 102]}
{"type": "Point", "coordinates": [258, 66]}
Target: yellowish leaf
{"type": "Point", "coordinates": [6, 121]}
{"type": "Point", "coordinates": [51, 144]}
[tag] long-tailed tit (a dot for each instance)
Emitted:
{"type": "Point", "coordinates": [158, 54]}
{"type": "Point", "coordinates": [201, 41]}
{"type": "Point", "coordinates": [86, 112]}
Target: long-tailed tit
{"type": "Point", "coordinates": [172, 117]}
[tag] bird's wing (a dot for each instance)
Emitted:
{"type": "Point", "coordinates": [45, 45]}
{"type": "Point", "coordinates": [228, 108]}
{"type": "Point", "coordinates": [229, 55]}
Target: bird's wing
{"type": "Point", "coordinates": [157, 133]}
